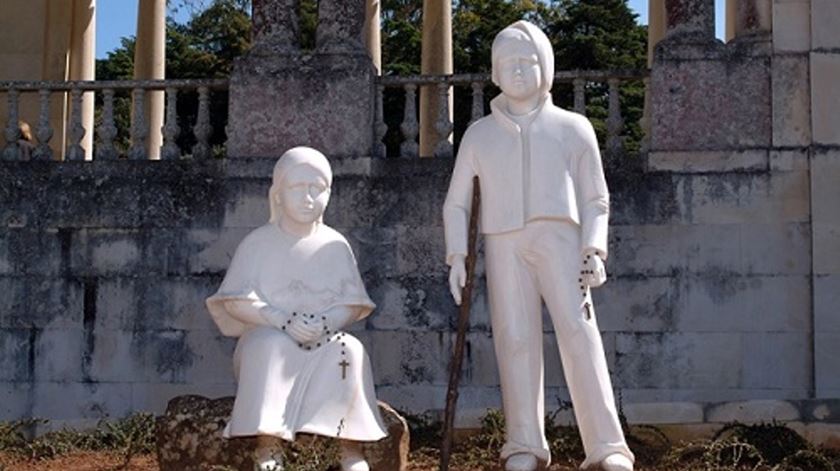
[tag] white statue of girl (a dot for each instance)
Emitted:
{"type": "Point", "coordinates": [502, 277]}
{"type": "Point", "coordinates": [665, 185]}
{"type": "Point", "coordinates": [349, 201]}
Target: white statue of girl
{"type": "Point", "coordinates": [291, 288]}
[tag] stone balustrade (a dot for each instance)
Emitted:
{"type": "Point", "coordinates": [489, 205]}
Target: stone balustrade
{"type": "Point", "coordinates": [476, 85]}
{"type": "Point", "coordinates": [106, 130]}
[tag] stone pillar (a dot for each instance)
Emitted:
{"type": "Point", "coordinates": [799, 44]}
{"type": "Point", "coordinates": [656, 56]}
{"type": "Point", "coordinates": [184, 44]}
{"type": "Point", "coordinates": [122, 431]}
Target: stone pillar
{"type": "Point", "coordinates": [372, 33]}
{"type": "Point", "coordinates": [340, 26]}
{"type": "Point", "coordinates": [703, 97]}
{"type": "Point", "coordinates": [82, 64]}
{"type": "Point", "coordinates": [691, 20]}
{"type": "Point", "coordinates": [150, 64]}
{"type": "Point", "coordinates": [825, 192]}
{"type": "Point", "coordinates": [276, 25]}
{"type": "Point", "coordinates": [748, 18]}
{"type": "Point", "coordinates": [656, 26]}
{"type": "Point", "coordinates": [729, 22]}
{"type": "Point", "coordinates": [436, 59]}
{"type": "Point", "coordinates": [323, 99]}
{"type": "Point", "coordinates": [656, 31]}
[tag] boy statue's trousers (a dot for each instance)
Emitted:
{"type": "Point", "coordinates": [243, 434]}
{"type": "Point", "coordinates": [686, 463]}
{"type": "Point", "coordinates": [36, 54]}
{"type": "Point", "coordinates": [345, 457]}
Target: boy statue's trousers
{"type": "Point", "coordinates": [542, 261]}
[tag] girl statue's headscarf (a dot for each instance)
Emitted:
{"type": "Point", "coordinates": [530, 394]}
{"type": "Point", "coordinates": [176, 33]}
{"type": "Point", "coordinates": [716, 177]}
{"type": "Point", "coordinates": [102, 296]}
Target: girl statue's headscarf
{"type": "Point", "coordinates": [292, 158]}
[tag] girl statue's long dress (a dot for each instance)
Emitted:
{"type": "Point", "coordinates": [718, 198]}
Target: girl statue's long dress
{"type": "Point", "coordinates": [323, 387]}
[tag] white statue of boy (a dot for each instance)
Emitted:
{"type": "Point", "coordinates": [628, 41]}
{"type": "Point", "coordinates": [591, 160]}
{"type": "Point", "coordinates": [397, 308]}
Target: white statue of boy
{"type": "Point", "coordinates": [544, 214]}
{"type": "Point", "coordinates": [291, 287]}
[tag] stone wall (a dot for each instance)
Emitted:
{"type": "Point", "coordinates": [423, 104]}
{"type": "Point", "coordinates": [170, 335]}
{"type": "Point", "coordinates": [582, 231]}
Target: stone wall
{"type": "Point", "coordinates": [104, 268]}
{"type": "Point", "coordinates": [724, 266]}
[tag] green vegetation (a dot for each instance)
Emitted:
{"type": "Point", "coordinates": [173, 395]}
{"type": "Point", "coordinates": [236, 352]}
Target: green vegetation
{"type": "Point", "coordinates": [131, 436]}
{"type": "Point", "coordinates": [736, 447]}
{"type": "Point", "coordinates": [586, 34]}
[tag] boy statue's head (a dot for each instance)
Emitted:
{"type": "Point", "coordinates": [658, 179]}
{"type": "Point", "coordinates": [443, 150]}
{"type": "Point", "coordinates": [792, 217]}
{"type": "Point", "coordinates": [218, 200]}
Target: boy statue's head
{"type": "Point", "coordinates": [523, 61]}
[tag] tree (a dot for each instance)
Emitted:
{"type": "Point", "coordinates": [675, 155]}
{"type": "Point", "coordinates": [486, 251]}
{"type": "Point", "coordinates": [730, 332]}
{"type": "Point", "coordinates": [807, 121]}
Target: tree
{"type": "Point", "coordinates": [586, 34]}
{"type": "Point", "coordinates": [205, 47]}
{"type": "Point", "coordinates": [599, 35]}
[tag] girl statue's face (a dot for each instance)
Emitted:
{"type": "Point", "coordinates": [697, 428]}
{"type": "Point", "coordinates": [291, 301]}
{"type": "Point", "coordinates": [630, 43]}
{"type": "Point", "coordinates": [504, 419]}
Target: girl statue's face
{"type": "Point", "coordinates": [304, 195]}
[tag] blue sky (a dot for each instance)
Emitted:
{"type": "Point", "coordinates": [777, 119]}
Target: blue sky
{"type": "Point", "coordinates": [118, 18]}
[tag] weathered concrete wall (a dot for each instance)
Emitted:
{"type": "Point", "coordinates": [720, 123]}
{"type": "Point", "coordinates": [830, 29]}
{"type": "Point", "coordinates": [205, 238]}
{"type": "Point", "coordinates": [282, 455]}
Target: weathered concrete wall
{"type": "Point", "coordinates": [104, 267]}
{"type": "Point", "coordinates": [725, 263]}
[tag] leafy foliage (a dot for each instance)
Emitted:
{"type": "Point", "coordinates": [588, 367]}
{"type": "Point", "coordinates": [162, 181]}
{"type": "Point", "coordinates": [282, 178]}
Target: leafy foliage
{"type": "Point", "coordinates": [585, 34]}
{"type": "Point", "coordinates": [205, 47]}
{"type": "Point", "coordinates": [130, 436]}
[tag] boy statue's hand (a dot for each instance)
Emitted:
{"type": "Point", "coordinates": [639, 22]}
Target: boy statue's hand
{"type": "Point", "coordinates": [592, 270]}
{"type": "Point", "coordinates": [457, 277]}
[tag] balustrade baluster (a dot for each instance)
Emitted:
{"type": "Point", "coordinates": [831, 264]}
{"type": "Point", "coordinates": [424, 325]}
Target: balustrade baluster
{"type": "Point", "coordinates": [44, 132]}
{"type": "Point", "coordinates": [77, 130]}
{"type": "Point", "coordinates": [107, 131]}
{"type": "Point", "coordinates": [139, 127]}
{"type": "Point", "coordinates": [169, 150]}
{"type": "Point", "coordinates": [379, 149]}
{"type": "Point", "coordinates": [409, 126]}
{"type": "Point", "coordinates": [12, 132]}
{"type": "Point", "coordinates": [615, 123]}
{"type": "Point", "coordinates": [443, 125]}
{"type": "Point", "coordinates": [202, 128]}
{"type": "Point", "coordinates": [477, 102]}
{"type": "Point", "coordinates": [580, 95]}
{"type": "Point", "coordinates": [644, 122]}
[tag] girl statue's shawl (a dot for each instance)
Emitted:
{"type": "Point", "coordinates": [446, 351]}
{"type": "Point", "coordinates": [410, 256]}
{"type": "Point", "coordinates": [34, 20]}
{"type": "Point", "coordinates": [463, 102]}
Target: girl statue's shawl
{"type": "Point", "coordinates": [305, 275]}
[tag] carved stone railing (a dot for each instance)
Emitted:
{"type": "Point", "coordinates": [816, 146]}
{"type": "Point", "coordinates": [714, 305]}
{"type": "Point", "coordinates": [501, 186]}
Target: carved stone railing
{"type": "Point", "coordinates": [106, 131]}
{"type": "Point", "coordinates": [580, 82]}
{"type": "Point", "coordinates": [476, 84]}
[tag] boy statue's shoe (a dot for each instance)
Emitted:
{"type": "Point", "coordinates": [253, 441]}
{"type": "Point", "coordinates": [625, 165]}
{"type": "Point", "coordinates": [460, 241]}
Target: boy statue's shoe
{"type": "Point", "coordinates": [617, 462]}
{"type": "Point", "coordinates": [521, 462]}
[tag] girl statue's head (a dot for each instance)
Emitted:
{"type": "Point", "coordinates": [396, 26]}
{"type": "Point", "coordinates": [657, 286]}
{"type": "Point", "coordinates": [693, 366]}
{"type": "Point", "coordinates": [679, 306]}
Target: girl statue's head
{"type": "Point", "coordinates": [300, 187]}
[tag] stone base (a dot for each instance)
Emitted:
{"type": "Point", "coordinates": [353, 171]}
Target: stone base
{"type": "Point", "coordinates": [189, 438]}
{"type": "Point", "coordinates": [321, 100]}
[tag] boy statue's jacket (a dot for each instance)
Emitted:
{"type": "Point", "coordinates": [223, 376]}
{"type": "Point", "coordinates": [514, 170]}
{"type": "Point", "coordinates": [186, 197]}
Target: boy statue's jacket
{"type": "Point", "coordinates": [549, 167]}
{"type": "Point", "coordinates": [551, 170]}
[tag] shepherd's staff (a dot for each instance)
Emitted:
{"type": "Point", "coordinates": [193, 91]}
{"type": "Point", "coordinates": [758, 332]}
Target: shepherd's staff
{"type": "Point", "coordinates": [463, 323]}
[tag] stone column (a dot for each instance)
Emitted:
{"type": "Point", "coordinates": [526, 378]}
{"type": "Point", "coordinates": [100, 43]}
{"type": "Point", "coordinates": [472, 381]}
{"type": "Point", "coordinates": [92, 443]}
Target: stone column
{"type": "Point", "coordinates": [372, 33]}
{"type": "Point", "coordinates": [436, 59]}
{"type": "Point", "coordinates": [656, 26]}
{"type": "Point", "coordinates": [748, 17]}
{"type": "Point", "coordinates": [276, 25]}
{"type": "Point", "coordinates": [656, 31]}
{"type": "Point", "coordinates": [690, 19]}
{"type": "Point", "coordinates": [323, 99]}
{"type": "Point", "coordinates": [340, 26]}
{"type": "Point", "coordinates": [149, 64]}
{"type": "Point", "coordinates": [82, 64]}
{"type": "Point", "coordinates": [703, 98]}
{"type": "Point", "coordinates": [825, 192]}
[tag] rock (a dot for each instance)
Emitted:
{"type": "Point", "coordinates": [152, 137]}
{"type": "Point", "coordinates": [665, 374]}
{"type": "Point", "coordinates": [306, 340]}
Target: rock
{"type": "Point", "coordinates": [390, 453]}
{"type": "Point", "coordinates": [189, 438]}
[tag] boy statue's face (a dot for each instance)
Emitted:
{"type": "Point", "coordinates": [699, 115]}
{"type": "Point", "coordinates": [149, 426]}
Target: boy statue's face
{"type": "Point", "coordinates": [518, 69]}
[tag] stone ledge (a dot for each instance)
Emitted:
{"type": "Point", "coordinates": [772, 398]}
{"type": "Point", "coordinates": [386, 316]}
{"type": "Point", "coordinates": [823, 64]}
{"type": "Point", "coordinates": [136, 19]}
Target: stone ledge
{"type": "Point", "coordinates": [709, 161]}
{"type": "Point", "coordinates": [752, 412]}
{"type": "Point", "coordinates": [813, 411]}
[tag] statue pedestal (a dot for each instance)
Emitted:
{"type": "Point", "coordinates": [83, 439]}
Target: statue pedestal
{"type": "Point", "coordinates": [322, 100]}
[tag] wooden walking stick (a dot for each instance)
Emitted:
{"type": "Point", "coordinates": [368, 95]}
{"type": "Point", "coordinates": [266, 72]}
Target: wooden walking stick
{"type": "Point", "coordinates": [463, 323]}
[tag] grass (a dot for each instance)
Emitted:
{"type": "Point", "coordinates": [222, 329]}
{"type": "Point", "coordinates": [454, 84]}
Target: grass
{"type": "Point", "coordinates": [129, 437]}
